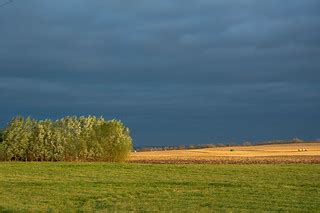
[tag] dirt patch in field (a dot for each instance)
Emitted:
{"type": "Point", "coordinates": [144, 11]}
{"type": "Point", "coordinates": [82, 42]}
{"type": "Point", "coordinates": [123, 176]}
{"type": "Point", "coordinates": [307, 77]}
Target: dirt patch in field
{"type": "Point", "coordinates": [262, 154]}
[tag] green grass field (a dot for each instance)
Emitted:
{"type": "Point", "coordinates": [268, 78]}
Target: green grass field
{"type": "Point", "coordinates": [143, 187]}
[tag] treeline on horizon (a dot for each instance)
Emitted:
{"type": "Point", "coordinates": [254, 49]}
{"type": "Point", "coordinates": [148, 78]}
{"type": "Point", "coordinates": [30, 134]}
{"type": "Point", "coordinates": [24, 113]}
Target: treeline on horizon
{"type": "Point", "coordinates": [67, 139]}
{"type": "Point", "coordinates": [214, 145]}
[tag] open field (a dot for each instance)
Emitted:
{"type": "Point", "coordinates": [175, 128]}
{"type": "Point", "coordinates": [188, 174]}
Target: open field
{"type": "Point", "coordinates": [154, 187]}
{"type": "Point", "coordinates": [275, 153]}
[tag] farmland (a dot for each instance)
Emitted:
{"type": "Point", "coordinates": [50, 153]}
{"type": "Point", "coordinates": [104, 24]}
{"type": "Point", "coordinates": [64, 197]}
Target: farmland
{"type": "Point", "coordinates": [273, 153]}
{"type": "Point", "coordinates": [73, 186]}
{"type": "Point", "coordinates": [278, 177]}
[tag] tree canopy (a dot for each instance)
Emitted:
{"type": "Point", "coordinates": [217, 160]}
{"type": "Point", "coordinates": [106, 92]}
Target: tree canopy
{"type": "Point", "coordinates": [67, 139]}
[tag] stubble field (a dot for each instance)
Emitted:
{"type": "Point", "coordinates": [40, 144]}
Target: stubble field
{"type": "Point", "coordinates": [266, 154]}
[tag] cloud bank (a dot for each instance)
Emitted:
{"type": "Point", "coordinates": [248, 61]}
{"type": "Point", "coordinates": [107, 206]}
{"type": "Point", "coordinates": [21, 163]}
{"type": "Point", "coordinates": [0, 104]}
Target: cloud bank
{"type": "Point", "coordinates": [176, 72]}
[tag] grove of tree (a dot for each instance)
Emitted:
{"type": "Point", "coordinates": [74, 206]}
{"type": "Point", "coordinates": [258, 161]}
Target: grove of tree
{"type": "Point", "coordinates": [67, 139]}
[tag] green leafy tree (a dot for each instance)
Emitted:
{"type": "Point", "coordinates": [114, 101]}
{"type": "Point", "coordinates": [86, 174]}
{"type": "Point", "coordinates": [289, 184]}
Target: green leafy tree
{"type": "Point", "coordinates": [2, 150]}
{"type": "Point", "coordinates": [1, 135]}
{"type": "Point", "coordinates": [25, 137]}
{"type": "Point", "coordinates": [115, 140]}
{"type": "Point", "coordinates": [12, 138]}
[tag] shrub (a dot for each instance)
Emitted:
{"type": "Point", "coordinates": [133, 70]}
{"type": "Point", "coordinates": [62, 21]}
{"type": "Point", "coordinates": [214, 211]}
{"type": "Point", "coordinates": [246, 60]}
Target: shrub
{"type": "Point", "coordinates": [247, 143]}
{"type": "Point", "coordinates": [191, 147]}
{"type": "Point", "coordinates": [297, 140]}
{"type": "Point", "coordinates": [115, 141]}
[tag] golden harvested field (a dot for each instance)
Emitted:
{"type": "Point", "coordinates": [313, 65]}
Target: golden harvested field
{"type": "Point", "coordinates": [274, 153]}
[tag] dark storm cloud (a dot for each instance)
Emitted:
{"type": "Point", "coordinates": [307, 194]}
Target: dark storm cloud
{"type": "Point", "coordinates": [166, 67]}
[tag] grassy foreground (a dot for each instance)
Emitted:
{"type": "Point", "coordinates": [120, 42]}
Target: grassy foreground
{"type": "Point", "coordinates": [138, 187]}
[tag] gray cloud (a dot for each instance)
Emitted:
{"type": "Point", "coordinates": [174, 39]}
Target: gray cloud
{"type": "Point", "coordinates": [201, 65]}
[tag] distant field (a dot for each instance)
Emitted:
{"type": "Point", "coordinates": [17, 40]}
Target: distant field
{"type": "Point", "coordinates": [153, 187]}
{"type": "Point", "coordinates": [276, 153]}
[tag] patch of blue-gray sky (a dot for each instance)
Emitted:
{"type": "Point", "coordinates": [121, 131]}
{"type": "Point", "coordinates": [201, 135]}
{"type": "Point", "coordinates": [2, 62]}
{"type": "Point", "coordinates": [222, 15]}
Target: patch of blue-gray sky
{"type": "Point", "coordinates": [175, 71]}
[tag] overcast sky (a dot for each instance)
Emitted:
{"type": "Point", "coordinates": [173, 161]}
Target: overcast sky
{"type": "Point", "coordinates": [174, 71]}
